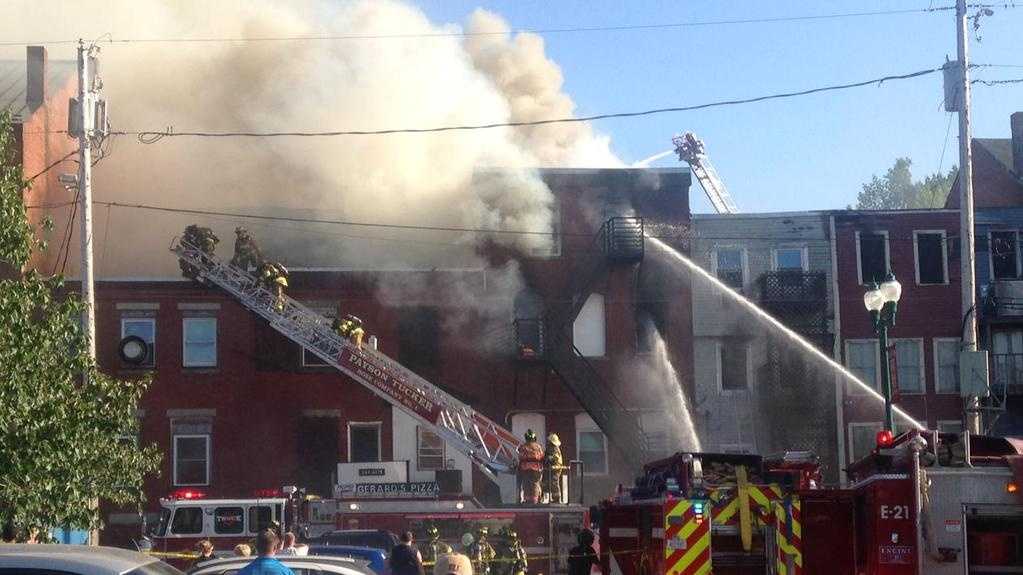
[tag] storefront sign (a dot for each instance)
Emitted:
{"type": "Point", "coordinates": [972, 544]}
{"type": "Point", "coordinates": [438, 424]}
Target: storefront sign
{"type": "Point", "coordinates": [419, 489]}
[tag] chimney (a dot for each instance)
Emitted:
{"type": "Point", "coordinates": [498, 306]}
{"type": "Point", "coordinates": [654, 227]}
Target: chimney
{"type": "Point", "coordinates": [1016, 123]}
{"type": "Point", "coordinates": [35, 88]}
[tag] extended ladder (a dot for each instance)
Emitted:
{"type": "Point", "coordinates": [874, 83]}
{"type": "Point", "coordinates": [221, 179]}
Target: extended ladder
{"type": "Point", "coordinates": [690, 150]}
{"type": "Point", "coordinates": [491, 447]}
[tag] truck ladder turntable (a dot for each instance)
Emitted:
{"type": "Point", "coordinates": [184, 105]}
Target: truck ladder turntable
{"type": "Point", "coordinates": [491, 447]}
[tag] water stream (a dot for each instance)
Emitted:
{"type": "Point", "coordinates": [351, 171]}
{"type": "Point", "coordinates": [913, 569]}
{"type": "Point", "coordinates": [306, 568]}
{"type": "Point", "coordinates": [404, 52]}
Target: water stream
{"type": "Point", "coordinates": [683, 434]}
{"type": "Point", "coordinates": [766, 318]}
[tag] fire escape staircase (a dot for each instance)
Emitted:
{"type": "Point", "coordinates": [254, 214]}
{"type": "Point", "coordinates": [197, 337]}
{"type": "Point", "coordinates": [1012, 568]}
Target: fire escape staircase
{"type": "Point", "coordinates": [620, 241]}
{"type": "Point", "coordinates": [492, 448]}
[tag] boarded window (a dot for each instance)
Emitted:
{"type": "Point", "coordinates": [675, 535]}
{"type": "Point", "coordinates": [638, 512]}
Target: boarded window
{"type": "Point", "coordinates": [873, 258]}
{"type": "Point", "coordinates": [734, 365]}
{"type": "Point", "coordinates": [1004, 259]}
{"type": "Point", "coordinates": [419, 339]}
{"type": "Point", "coordinates": [728, 267]}
{"type": "Point", "coordinates": [930, 258]}
{"type": "Point", "coordinates": [908, 360]}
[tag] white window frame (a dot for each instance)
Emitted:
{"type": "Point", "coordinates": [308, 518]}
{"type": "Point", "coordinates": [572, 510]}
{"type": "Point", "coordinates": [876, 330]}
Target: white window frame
{"type": "Point", "coordinates": [937, 367]}
{"type": "Point", "coordinates": [957, 422]}
{"type": "Point", "coordinates": [859, 256]}
{"type": "Point", "coordinates": [174, 463]}
{"type": "Point", "coordinates": [443, 450]}
{"type": "Point", "coordinates": [991, 254]}
{"type": "Point", "coordinates": [877, 364]}
{"type": "Point", "coordinates": [366, 424]}
{"type": "Point", "coordinates": [719, 345]}
{"type": "Point", "coordinates": [867, 424]}
{"type": "Point", "coordinates": [587, 425]}
{"type": "Point", "coordinates": [804, 256]}
{"type": "Point", "coordinates": [184, 341]}
{"type": "Point", "coordinates": [743, 259]}
{"type": "Point", "coordinates": [944, 254]}
{"type": "Point", "coordinates": [151, 321]}
{"type": "Point", "coordinates": [923, 370]}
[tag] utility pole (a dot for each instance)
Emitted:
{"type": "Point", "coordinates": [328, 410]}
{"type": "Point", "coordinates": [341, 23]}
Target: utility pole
{"type": "Point", "coordinates": [85, 128]}
{"type": "Point", "coordinates": [966, 243]}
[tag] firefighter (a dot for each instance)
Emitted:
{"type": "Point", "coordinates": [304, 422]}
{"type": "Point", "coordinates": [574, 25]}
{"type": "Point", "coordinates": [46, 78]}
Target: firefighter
{"type": "Point", "coordinates": [481, 552]}
{"type": "Point", "coordinates": [582, 558]}
{"type": "Point", "coordinates": [350, 328]}
{"type": "Point", "coordinates": [275, 277]}
{"type": "Point", "coordinates": [530, 468]}
{"type": "Point", "coordinates": [517, 562]}
{"type": "Point", "coordinates": [554, 467]}
{"type": "Point", "coordinates": [435, 547]}
{"type": "Point", "coordinates": [246, 252]}
{"type": "Point", "coordinates": [202, 238]}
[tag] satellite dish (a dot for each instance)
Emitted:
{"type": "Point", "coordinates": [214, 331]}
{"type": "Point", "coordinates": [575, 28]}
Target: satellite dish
{"type": "Point", "coordinates": [133, 349]}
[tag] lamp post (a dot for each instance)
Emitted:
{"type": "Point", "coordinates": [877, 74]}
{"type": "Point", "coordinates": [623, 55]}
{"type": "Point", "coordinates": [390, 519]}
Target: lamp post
{"type": "Point", "coordinates": [882, 303]}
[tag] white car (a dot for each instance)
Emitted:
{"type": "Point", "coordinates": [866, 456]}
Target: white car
{"type": "Point", "coordinates": [78, 560]}
{"type": "Point", "coordinates": [300, 565]}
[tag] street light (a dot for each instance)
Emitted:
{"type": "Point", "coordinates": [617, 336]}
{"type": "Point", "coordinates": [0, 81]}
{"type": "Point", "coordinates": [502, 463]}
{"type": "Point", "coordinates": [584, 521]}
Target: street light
{"type": "Point", "coordinates": [882, 303]}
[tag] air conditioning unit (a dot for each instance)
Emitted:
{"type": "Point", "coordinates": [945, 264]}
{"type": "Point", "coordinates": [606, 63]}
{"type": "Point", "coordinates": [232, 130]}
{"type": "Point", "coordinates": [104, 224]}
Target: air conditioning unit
{"type": "Point", "coordinates": [1008, 297]}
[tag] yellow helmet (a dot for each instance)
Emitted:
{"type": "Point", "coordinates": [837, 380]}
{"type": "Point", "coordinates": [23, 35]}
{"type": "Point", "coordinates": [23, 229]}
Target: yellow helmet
{"type": "Point", "coordinates": [554, 440]}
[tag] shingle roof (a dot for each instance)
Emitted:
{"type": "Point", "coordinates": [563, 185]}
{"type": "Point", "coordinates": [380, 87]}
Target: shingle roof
{"type": "Point", "coordinates": [14, 80]}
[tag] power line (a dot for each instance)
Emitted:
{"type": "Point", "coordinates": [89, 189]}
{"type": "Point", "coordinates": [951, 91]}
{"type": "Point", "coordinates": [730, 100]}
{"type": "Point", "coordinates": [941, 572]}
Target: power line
{"type": "Point", "coordinates": [109, 39]}
{"type": "Point", "coordinates": [54, 164]}
{"type": "Point", "coordinates": [151, 137]}
{"type": "Point", "coordinates": [998, 82]}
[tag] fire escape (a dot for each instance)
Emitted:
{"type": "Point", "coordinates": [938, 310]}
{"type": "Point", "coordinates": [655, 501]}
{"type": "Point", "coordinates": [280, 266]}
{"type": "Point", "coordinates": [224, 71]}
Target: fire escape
{"type": "Point", "coordinates": [618, 243]}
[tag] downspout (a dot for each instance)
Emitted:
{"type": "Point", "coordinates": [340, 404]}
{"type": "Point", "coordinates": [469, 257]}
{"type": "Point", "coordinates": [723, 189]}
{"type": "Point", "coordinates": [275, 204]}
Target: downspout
{"type": "Point", "coordinates": [837, 349]}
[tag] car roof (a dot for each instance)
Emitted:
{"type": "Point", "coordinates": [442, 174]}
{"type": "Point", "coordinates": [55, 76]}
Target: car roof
{"type": "Point", "coordinates": [288, 560]}
{"type": "Point", "coordinates": [347, 549]}
{"type": "Point", "coordinates": [79, 558]}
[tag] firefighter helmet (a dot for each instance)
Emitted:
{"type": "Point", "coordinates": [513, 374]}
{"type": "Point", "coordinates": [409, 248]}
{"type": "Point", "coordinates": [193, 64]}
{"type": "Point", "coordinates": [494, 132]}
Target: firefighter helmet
{"type": "Point", "coordinates": [530, 435]}
{"type": "Point", "coordinates": [482, 530]}
{"type": "Point", "coordinates": [432, 532]}
{"type": "Point", "coordinates": [554, 440]}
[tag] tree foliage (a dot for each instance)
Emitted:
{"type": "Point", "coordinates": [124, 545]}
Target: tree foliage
{"type": "Point", "coordinates": [896, 190]}
{"type": "Point", "coordinates": [61, 434]}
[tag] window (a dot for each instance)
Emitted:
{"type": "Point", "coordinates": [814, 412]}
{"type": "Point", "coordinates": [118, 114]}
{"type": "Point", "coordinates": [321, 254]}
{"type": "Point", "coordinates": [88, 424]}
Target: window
{"type": "Point", "coordinates": [590, 445]}
{"type": "Point", "coordinates": [1004, 255]}
{"type": "Point", "coordinates": [789, 259]}
{"type": "Point", "coordinates": [950, 426]}
{"type": "Point", "coordinates": [200, 342]}
{"type": "Point", "coordinates": [861, 357]}
{"type": "Point", "coordinates": [260, 517]}
{"type": "Point", "coordinates": [733, 365]}
{"type": "Point", "coordinates": [419, 339]}
{"type": "Point", "coordinates": [144, 328]}
{"type": "Point", "coordinates": [228, 520]}
{"type": "Point", "coordinates": [187, 520]}
{"type": "Point", "coordinates": [429, 450]}
{"type": "Point", "coordinates": [363, 442]}
{"type": "Point", "coordinates": [946, 365]}
{"type": "Point", "coordinates": [191, 460]}
{"type": "Point", "coordinates": [728, 267]}
{"type": "Point", "coordinates": [909, 363]}
{"type": "Point", "coordinates": [931, 257]}
{"type": "Point", "coordinates": [862, 439]}
{"type": "Point", "coordinates": [873, 256]}
{"type": "Point", "coordinates": [1007, 358]}
{"type": "Point", "coordinates": [588, 331]}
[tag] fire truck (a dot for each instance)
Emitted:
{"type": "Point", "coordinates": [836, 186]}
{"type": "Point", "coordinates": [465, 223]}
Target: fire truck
{"type": "Point", "coordinates": [923, 502]}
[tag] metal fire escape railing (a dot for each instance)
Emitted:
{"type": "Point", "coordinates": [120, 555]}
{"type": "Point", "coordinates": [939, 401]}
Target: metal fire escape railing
{"type": "Point", "coordinates": [491, 447]}
{"type": "Point", "coordinates": [620, 240]}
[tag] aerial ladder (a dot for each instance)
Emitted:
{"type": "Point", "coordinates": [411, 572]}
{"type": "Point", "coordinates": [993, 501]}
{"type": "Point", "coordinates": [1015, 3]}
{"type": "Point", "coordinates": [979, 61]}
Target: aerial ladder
{"type": "Point", "coordinates": [690, 149]}
{"type": "Point", "coordinates": [492, 448]}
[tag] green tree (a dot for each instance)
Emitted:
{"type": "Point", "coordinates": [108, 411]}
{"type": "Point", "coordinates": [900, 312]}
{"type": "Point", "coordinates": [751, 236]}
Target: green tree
{"type": "Point", "coordinates": [61, 446]}
{"type": "Point", "coordinates": [896, 190]}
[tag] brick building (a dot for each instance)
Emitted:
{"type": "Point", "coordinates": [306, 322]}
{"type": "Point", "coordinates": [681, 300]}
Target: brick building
{"type": "Point", "coordinates": [918, 247]}
{"type": "Point", "coordinates": [236, 407]}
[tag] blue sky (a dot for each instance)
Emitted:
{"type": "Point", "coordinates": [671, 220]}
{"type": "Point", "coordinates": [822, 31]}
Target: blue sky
{"type": "Point", "coordinates": [812, 152]}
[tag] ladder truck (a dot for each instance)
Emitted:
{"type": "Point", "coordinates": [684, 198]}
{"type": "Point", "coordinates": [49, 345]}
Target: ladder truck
{"type": "Point", "coordinates": [691, 150]}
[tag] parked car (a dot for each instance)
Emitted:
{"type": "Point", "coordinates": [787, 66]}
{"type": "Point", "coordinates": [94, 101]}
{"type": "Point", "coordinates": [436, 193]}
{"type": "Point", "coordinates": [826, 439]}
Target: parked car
{"type": "Point", "coordinates": [376, 558]}
{"type": "Point", "coordinates": [300, 565]}
{"type": "Point", "coordinates": [79, 560]}
{"type": "Point", "coordinates": [374, 538]}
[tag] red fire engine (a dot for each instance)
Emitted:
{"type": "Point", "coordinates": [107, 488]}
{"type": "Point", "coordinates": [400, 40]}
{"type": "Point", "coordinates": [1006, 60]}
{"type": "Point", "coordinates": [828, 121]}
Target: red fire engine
{"type": "Point", "coordinates": [697, 513]}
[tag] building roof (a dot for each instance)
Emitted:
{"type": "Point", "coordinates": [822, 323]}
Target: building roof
{"type": "Point", "coordinates": [14, 82]}
{"type": "Point", "coordinates": [995, 182]}
{"type": "Point", "coordinates": [999, 148]}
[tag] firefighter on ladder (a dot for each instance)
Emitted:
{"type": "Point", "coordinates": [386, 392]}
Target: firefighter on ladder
{"type": "Point", "coordinates": [553, 468]}
{"type": "Point", "coordinates": [275, 276]}
{"type": "Point", "coordinates": [205, 240]}
{"type": "Point", "coordinates": [481, 552]}
{"type": "Point", "coordinates": [435, 547]}
{"type": "Point", "coordinates": [530, 469]}
{"type": "Point", "coordinates": [350, 328]}
{"type": "Point", "coordinates": [246, 252]}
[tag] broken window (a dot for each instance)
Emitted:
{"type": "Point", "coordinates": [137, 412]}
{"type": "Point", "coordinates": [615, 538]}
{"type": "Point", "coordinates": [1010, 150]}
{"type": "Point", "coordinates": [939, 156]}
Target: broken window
{"type": "Point", "coordinates": [930, 257]}
{"type": "Point", "coordinates": [873, 257]}
{"type": "Point", "coordinates": [1004, 259]}
{"type": "Point", "coordinates": [728, 267]}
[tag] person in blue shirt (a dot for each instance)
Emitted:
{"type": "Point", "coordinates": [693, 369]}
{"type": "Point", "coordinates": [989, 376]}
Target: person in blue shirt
{"type": "Point", "coordinates": [265, 564]}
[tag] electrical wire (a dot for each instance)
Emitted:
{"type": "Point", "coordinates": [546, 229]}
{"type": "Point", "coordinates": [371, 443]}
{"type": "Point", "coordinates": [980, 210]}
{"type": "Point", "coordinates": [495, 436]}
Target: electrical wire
{"type": "Point", "coordinates": [109, 39]}
{"type": "Point", "coordinates": [998, 82]}
{"type": "Point", "coordinates": [53, 165]}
